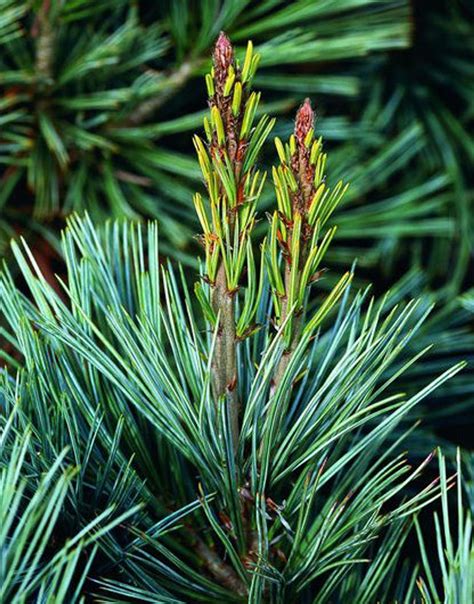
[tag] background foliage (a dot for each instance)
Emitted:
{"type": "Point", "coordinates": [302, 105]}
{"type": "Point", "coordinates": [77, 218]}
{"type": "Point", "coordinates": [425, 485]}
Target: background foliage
{"type": "Point", "coordinates": [99, 104]}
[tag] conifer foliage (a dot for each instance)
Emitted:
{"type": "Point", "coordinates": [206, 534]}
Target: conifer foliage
{"type": "Point", "coordinates": [97, 97]}
{"type": "Point", "coordinates": [248, 448]}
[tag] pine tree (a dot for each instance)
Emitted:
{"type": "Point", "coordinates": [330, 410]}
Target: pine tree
{"type": "Point", "coordinates": [249, 448]}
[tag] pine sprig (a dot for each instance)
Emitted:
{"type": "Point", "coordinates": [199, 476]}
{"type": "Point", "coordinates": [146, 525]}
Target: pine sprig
{"type": "Point", "coordinates": [305, 204]}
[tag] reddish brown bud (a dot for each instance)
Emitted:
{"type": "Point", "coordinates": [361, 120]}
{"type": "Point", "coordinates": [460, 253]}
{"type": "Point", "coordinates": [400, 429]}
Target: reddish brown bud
{"type": "Point", "coordinates": [304, 121]}
{"type": "Point", "coordinates": [226, 521]}
{"type": "Point", "coordinates": [223, 58]}
{"type": "Point", "coordinates": [281, 555]}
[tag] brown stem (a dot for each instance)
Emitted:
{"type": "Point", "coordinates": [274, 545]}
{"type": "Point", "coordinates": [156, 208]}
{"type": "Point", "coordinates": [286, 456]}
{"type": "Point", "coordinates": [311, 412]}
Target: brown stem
{"type": "Point", "coordinates": [44, 43]}
{"type": "Point", "coordinates": [174, 82]}
{"type": "Point", "coordinates": [224, 574]}
{"type": "Point", "coordinates": [224, 363]}
{"type": "Point", "coordinates": [297, 325]}
{"type": "Point", "coordinates": [287, 354]}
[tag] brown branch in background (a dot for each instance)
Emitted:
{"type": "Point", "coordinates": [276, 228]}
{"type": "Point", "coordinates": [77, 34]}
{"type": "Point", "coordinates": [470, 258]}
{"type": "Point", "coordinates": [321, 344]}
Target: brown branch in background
{"type": "Point", "coordinates": [136, 179]}
{"type": "Point", "coordinates": [171, 84]}
{"type": "Point", "coordinates": [44, 33]}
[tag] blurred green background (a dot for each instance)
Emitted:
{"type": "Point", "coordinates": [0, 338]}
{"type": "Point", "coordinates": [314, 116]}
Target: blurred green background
{"type": "Point", "coordinates": [99, 101]}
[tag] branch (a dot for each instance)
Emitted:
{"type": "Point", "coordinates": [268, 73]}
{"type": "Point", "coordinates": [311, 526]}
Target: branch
{"type": "Point", "coordinates": [224, 361]}
{"type": "Point", "coordinates": [174, 82]}
{"type": "Point", "coordinates": [223, 573]}
{"type": "Point", "coordinates": [45, 34]}
{"type": "Point", "coordinates": [295, 334]}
